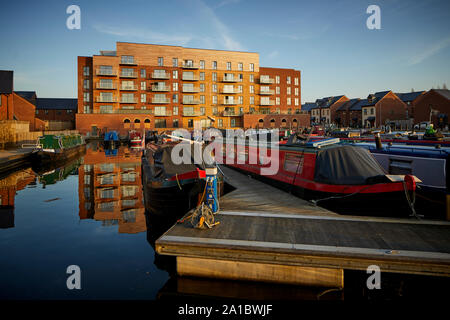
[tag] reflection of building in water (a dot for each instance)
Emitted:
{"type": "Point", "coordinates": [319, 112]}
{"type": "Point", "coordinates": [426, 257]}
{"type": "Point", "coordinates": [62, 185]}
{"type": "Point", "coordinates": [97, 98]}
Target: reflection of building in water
{"type": "Point", "coordinates": [8, 189]}
{"type": "Point", "coordinates": [110, 189]}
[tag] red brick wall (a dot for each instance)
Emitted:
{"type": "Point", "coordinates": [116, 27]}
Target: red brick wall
{"type": "Point", "coordinates": [335, 106]}
{"type": "Point", "coordinates": [423, 103]}
{"type": "Point", "coordinates": [283, 74]}
{"type": "Point", "coordinates": [82, 62]}
{"type": "Point", "coordinates": [24, 110]}
{"type": "Point", "coordinates": [6, 107]}
{"type": "Point", "coordinates": [56, 115]}
{"type": "Point", "coordinates": [389, 108]}
{"type": "Point", "coordinates": [253, 120]}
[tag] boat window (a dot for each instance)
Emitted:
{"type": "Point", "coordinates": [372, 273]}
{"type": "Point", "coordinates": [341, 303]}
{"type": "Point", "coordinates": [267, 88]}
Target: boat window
{"type": "Point", "coordinates": [293, 163]}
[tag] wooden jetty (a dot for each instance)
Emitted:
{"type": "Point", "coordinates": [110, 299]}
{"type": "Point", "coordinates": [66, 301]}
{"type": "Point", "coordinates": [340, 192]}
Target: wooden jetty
{"type": "Point", "coordinates": [11, 160]}
{"type": "Point", "coordinates": [268, 235]}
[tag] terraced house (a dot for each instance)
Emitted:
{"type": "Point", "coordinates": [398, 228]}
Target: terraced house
{"type": "Point", "coordinates": [146, 86]}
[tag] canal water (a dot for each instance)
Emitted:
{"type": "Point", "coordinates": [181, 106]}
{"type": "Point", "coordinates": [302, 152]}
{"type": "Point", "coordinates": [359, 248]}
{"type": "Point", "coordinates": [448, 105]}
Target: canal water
{"type": "Point", "coordinates": [90, 213]}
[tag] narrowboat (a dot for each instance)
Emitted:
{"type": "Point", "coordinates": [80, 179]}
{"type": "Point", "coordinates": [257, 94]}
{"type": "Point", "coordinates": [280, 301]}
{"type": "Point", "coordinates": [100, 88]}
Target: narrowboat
{"type": "Point", "coordinates": [170, 189]}
{"type": "Point", "coordinates": [58, 148]}
{"type": "Point", "coordinates": [111, 140]}
{"type": "Point", "coordinates": [136, 139]}
{"type": "Point", "coordinates": [343, 178]}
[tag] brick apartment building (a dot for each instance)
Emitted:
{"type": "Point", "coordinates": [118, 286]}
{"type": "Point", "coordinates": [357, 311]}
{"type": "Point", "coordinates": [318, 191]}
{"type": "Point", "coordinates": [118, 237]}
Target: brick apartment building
{"type": "Point", "coordinates": [109, 189]}
{"type": "Point", "coordinates": [345, 115]}
{"type": "Point", "coordinates": [58, 113]}
{"type": "Point", "coordinates": [434, 104]}
{"type": "Point", "coordinates": [145, 86]}
{"type": "Point", "coordinates": [384, 108]}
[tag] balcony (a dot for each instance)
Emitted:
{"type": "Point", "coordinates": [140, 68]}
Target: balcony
{"type": "Point", "coordinates": [266, 80]}
{"type": "Point", "coordinates": [160, 75]}
{"type": "Point", "coordinates": [104, 86]}
{"type": "Point", "coordinates": [267, 103]}
{"type": "Point", "coordinates": [106, 99]}
{"type": "Point", "coordinates": [189, 65]}
{"type": "Point", "coordinates": [230, 91]}
{"type": "Point", "coordinates": [128, 74]}
{"type": "Point", "coordinates": [160, 88]}
{"type": "Point", "coordinates": [160, 100]}
{"type": "Point", "coordinates": [128, 87]}
{"type": "Point", "coordinates": [231, 79]}
{"type": "Point", "coordinates": [192, 113]}
{"type": "Point", "coordinates": [191, 101]}
{"type": "Point", "coordinates": [162, 113]}
{"type": "Point", "coordinates": [230, 102]}
{"type": "Point", "coordinates": [128, 111]}
{"type": "Point", "coordinates": [191, 90]}
{"type": "Point", "coordinates": [266, 92]}
{"type": "Point", "coordinates": [106, 72]}
{"type": "Point", "coordinates": [189, 77]}
{"type": "Point", "coordinates": [227, 113]}
{"type": "Point", "coordinates": [128, 100]}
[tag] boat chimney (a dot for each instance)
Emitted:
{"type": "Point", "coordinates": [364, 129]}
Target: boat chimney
{"type": "Point", "coordinates": [378, 141]}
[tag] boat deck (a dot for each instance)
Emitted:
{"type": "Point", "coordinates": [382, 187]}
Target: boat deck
{"type": "Point", "coordinates": [266, 234]}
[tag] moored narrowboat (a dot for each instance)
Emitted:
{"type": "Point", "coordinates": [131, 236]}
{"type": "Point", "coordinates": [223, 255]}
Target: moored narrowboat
{"type": "Point", "coordinates": [58, 148]}
{"type": "Point", "coordinates": [343, 178]}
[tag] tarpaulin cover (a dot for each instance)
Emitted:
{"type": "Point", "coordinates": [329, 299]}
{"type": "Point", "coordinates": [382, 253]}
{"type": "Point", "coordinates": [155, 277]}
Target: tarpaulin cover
{"type": "Point", "coordinates": [347, 165]}
{"type": "Point", "coordinates": [164, 166]}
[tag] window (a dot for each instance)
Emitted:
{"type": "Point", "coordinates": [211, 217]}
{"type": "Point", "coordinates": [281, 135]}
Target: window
{"type": "Point", "coordinates": [86, 71]}
{"type": "Point", "coordinates": [127, 85]}
{"type": "Point", "coordinates": [86, 96]}
{"type": "Point", "coordinates": [175, 86]}
{"type": "Point", "coordinates": [87, 109]}
{"type": "Point", "coordinates": [232, 122]}
{"type": "Point", "coordinates": [127, 59]}
{"type": "Point", "coordinates": [228, 65]}
{"type": "Point", "coordinates": [240, 66]}
{"type": "Point", "coordinates": [160, 111]}
{"type": "Point", "coordinates": [143, 85]}
{"type": "Point", "coordinates": [128, 98]}
{"type": "Point", "coordinates": [202, 111]}
{"type": "Point", "coordinates": [175, 111]}
{"type": "Point", "coordinates": [215, 111]}
{"type": "Point", "coordinates": [252, 89]}
{"type": "Point", "coordinates": [175, 98]}
{"type": "Point", "coordinates": [160, 61]}
{"type": "Point", "coordinates": [175, 62]}
{"type": "Point", "coordinates": [160, 123]}
{"type": "Point", "coordinates": [143, 97]}
{"type": "Point", "coordinates": [190, 123]}
{"type": "Point", "coordinates": [293, 163]}
{"type": "Point", "coordinates": [202, 64]}
{"type": "Point", "coordinates": [214, 76]}
{"type": "Point", "coordinates": [86, 84]}
{"type": "Point", "coordinates": [296, 91]}
{"type": "Point", "coordinates": [277, 79]}
{"type": "Point", "coordinates": [288, 101]}
{"type": "Point", "coordinates": [252, 100]}
{"type": "Point", "coordinates": [214, 99]}
{"type": "Point", "coordinates": [252, 67]}
{"type": "Point", "coordinates": [288, 90]}
{"type": "Point", "coordinates": [202, 76]}
{"type": "Point", "coordinates": [175, 123]}
{"type": "Point", "coordinates": [365, 112]}
{"type": "Point", "coordinates": [143, 73]}
{"type": "Point", "coordinates": [202, 87]}
{"type": "Point", "coordinates": [106, 109]}
{"type": "Point", "coordinates": [277, 90]}
{"type": "Point", "coordinates": [214, 65]}
{"type": "Point", "coordinates": [175, 74]}
{"type": "Point", "coordinates": [372, 110]}
{"type": "Point", "coordinates": [296, 81]}
{"type": "Point", "coordinates": [277, 101]}
{"type": "Point", "coordinates": [288, 80]}
{"type": "Point", "coordinates": [240, 99]}
{"type": "Point", "coordinates": [296, 101]}
{"type": "Point", "coordinates": [105, 70]}
{"type": "Point", "coordinates": [220, 124]}
{"type": "Point", "coordinates": [252, 78]}
{"type": "Point", "coordinates": [127, 72]}
{"type": "Point", "coordinates": [202, 100]}
{"type": "Point", "coordinates": [214, 88]}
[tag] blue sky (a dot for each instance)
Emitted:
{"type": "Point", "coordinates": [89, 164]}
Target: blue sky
{"type": "Point", "coordinates": [327, 40]}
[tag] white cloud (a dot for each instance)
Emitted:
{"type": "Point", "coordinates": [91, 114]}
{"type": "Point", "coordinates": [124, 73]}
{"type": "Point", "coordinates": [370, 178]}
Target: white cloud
{"type": "Point", "coordinates": [431, 51]}
{"type": "Point", "coordinates": [145, 35]}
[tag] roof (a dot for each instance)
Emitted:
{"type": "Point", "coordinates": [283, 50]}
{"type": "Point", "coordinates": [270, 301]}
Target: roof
{"type": "Point", "coordinates": [373, 98]}
{"type": "Point", "coordinates": [6, 81]}
{"type": "Point", "coordinates": [443, 92]}
{"type": "Point", "coordinates": [348, 104]}
{"type": "Point", "coordinates": [307, 106]}
{"type": "Point", "coordinates": [358, 106]}
{"type": "Point", "coordinates": [28, 95]}
{"type": "Point", "coordinates": [409, 96]}
{"type": "Point", "coordinates": [57, 103]}
{"type": "Point", "coordinates": [327, 101]}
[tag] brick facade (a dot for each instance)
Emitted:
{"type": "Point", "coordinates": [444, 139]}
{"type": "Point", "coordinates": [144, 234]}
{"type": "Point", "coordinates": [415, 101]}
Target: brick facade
{"type": "Point", "coordinates": [436, 99]}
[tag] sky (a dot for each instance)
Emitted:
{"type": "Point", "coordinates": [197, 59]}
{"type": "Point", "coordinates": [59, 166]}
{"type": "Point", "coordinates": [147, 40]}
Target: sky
{"type": "Point", "coordinates": [328, 41]}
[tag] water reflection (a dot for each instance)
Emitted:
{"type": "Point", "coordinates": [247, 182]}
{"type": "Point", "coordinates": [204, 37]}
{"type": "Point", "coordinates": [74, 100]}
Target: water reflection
{"type": "Point", "coordinates": [110, 188]}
